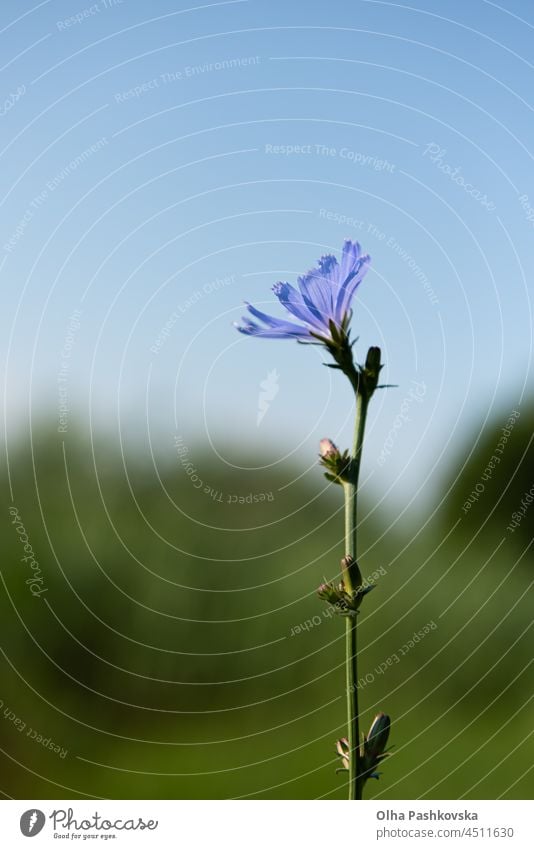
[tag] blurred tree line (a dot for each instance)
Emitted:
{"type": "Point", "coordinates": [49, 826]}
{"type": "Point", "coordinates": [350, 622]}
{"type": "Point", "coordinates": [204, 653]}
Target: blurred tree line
{"type": "Point", "coordinates": [163, 654]}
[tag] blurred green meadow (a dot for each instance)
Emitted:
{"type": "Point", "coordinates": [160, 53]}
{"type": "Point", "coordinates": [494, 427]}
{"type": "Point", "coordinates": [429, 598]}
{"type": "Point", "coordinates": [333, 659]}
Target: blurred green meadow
{"type": "Point", "coordinates": [174, 646]}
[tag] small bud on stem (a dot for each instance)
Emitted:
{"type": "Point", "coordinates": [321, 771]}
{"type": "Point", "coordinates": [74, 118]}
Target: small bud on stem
{"type": "Point", "coordinates": [374, 745]}
{"type": "Point", "coordinates": [351, 573]}
{"type": "Point", "coordinates": [370, 373]}
{"type": "Point", "coordinates": [327, 449]}
{"type": "Point", "coordinates": [337, 465]}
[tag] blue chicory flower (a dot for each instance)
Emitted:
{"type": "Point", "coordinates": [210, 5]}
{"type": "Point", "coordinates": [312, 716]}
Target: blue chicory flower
{"type": "Point", "coordinates": [324, 297]}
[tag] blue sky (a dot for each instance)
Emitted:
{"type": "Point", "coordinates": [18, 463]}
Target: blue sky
{"type": "Point", "coordinates": [162, 163]}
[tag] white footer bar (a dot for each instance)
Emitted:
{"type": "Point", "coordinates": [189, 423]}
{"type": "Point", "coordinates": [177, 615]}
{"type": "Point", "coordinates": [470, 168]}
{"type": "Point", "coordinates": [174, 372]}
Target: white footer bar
{"type": "Point", "coordinates": [267, 824]}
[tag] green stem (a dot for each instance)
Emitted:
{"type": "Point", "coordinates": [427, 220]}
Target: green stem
{"type": "Point", "coordinates": [351, 501]}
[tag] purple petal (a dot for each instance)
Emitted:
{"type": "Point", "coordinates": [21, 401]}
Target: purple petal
{"type": "Point", "coordinates": [318, 286]}
{"type": "Point", "coordinates": [351, 253]}
{"type": "Point", "coordinates": [276, 328]}
{"type": "Point", "coordinates": [350, 285]}
{"type": "Point", "coordinates": [271, 320]}
{"type": "Point", "coordinates": [286, 330]}
{"type": "Point", "coordinates": [294, 303]}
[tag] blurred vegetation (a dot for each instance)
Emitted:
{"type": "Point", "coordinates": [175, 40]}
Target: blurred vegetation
{"type": "Point", "coordinates": [161, 655]}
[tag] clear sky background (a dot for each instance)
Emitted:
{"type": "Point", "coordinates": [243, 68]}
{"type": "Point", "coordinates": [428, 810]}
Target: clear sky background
{"type": "Point", "coordinates": [164, 162]}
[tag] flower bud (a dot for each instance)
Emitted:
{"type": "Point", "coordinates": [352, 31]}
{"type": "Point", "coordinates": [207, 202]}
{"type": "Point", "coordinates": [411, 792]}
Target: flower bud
{"type": "Point", "coordinates": [328, 592]}
{"type": "Point", "coordinates": [344, 598]}
{"type": "Point", "coordinates": [327, 449]}
{"type": "Point", "coordinates": [377, 738]}
{"type": "Point", "coordinates": [371, 371]}
{"type": "Point", "coordinates": [343, 751]}
{"type": "Point", "coordinates": [372, 363]}
{"type": "Point", "coordinates": [337, 464]}
{"type": "Point", "coordinates": [350, 567]}
{"type": "Point", "coordinates": [374, 746]}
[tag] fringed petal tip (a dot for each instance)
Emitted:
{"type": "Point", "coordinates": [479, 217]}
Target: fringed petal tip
{"type": "Point", "coordinates": [327, 263]}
